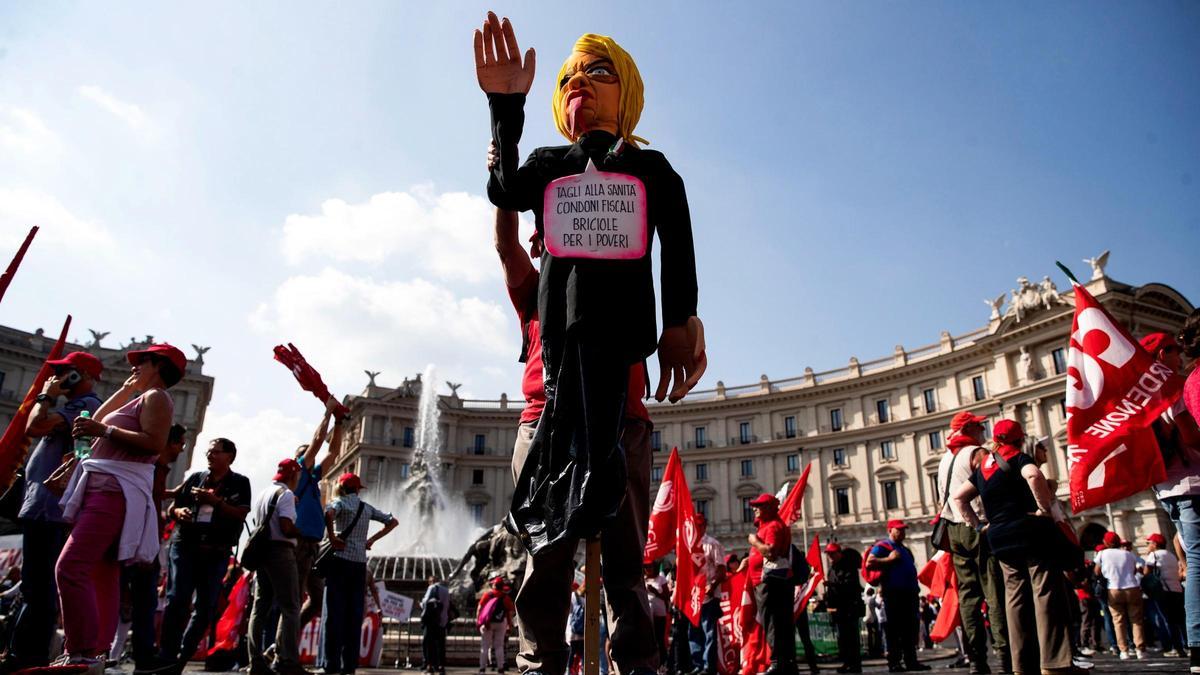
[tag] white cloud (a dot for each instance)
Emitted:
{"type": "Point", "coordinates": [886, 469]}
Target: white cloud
{"type": "Point", "coordinates": [447, 236]}
{"type": "Point", "coordinates": [23, 132]}
{"type": "Point", "coordinates": [262, 439]}
{"type": "Point", "coordinates": [21, 208]}
{"type": "Point", "coordinates": [129, 113]}
{"type": "Point", "coordinates": [345, 324]}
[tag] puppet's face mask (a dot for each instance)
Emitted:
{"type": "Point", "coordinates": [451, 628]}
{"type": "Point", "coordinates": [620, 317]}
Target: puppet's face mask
{"type": "Point", "coordinates": [591, 94]}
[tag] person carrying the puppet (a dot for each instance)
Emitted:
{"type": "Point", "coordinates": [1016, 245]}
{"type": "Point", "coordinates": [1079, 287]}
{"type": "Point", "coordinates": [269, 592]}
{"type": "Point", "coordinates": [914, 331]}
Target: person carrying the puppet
{"type": "Point", "coordinates": [596, 203]}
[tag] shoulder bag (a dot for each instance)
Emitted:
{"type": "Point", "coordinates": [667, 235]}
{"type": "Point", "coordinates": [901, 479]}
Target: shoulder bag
{"type": "Point", "coordinates": [323, 565]}
{"type": "Point", "coordinates": [255, 550]}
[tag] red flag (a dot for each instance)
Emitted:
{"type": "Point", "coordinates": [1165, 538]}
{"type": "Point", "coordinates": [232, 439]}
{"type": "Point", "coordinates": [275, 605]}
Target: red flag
{"type": "Point", "coordinates": [230, 624]}
{"type": "Point", "coordinates": [791, 507]}
{"type": "Point", "coordinates": [690, 585]}
{"type": "Point", "coordinates": [14, 444]}
{"type": "Point", "coordinates": [9, 273]}
{"type": "Point", "coordinates": [308, 377]}
{"type": "Point", "coordinates": [816, 574]}
{"type": "Point", "coordinates": [660, 535]}
{"type": "Point", "coordinates": [729, 630]}
{"type": "Point", "coordinates": [756, 653]}
{"type": "Point", "coordinates": [938, 575]}
{"type": "Point", "coordinates": [1115, 390]}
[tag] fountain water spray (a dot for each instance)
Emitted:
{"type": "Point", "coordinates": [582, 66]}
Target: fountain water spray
{"type": "Point", "coordinates": [431, 522]}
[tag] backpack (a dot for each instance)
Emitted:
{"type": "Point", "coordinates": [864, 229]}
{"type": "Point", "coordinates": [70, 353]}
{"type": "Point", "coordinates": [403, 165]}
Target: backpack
{"type": "Point", "coordinates": [498, 612]}
{"type": "Point", "coordinates": [255, 551]}
{"type": "Point", "coordinates": [431, 612]}
{"type": "Point", "coordinates": [874, 576]}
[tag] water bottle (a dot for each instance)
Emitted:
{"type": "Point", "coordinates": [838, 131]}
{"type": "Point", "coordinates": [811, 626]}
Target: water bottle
{"type": "Point", "coordinates": [83, 446]}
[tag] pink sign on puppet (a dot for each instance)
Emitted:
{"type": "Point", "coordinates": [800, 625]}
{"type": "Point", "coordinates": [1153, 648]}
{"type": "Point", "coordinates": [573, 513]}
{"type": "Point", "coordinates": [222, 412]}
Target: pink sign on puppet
{"type": "Point", "coordinates": [596, 214]}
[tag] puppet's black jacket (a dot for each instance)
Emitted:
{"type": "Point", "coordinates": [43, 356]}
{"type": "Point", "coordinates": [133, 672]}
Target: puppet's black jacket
{"type": "Point", "coordinates": [605, 299]}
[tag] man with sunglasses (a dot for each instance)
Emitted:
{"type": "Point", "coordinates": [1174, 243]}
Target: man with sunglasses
{"type": "Point", "coordinates": [43, 531]}
{"type": "Point", "coordinates": [210, 507]}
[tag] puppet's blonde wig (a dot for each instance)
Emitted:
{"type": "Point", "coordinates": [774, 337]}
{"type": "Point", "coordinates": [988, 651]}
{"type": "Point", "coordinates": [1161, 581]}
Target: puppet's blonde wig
{"type": "Point", "coordinates": [630, 79]}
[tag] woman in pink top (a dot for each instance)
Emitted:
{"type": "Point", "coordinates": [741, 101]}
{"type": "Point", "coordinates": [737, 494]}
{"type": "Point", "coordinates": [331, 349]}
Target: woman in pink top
{"type": "Point", "coordinates": [130, 430]}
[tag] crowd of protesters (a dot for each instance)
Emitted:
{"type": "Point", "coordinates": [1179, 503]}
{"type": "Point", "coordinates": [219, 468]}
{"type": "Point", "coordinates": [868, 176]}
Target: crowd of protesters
{"type": "Point", "coordinates": [103, 535]}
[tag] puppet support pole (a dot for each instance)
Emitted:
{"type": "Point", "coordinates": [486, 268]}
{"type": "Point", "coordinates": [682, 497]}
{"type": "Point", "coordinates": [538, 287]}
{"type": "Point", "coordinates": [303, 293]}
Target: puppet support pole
{"type": "Point", "coordinates": [591, 608]}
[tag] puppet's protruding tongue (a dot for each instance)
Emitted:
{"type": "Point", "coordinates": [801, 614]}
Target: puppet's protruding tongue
{"type": "Point", "coordinates": [574, 117]}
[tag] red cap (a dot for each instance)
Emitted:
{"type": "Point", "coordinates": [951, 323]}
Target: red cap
{"type": "Point", "coordinates": [896, 524]}
{"type": "Point", "coordinates": [287, 467]}
{"type": "Point", "coordinates": [1156, 341]}
{"type": "Point", "coordinates": [1157, 539]}
{"type": "Point", "coordinates": [765, 499]}
{"type": "Point", "coordinates": [81, 361]}
{"type": "Point", "coordinates": [1008, 431]}
{"type": "Point", "coordinates": [164, 350]}
{"type": "Point", "coordinates": [1111, 538]}
{"type": "Point", "coordinates": [964, 418]}
{"type": "Point", "coordinates": [832, 547]}
{"type": "Point", "coordinates": [351, 481]}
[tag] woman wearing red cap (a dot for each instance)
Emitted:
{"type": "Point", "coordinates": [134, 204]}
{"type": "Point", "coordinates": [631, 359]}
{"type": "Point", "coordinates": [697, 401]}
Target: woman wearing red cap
{"type": "Point", "coordinates": [1018, 503]}
{"type": "Point", "coordinates": [109, 500]}
{"type": "Point", "coordinates": [1166, 605]}
{"type": "Point", "coordinates": [493, 616]}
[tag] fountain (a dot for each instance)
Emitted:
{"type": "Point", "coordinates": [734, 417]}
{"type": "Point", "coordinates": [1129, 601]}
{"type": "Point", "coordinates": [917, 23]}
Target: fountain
{"type": "Point", "coordinates": [435, 528]}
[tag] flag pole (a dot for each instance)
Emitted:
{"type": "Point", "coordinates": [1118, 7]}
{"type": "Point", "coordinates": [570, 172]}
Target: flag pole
{"type": "Point", "coordinates": [1067, 272]}
{"type": "Point", "coordinates": [591, 607]}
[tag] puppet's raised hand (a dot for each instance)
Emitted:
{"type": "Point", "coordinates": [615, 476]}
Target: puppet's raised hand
{"type": "Point", "coordinates": [681, 356]}
{"type": "Point", "coordinates": [498, 59]}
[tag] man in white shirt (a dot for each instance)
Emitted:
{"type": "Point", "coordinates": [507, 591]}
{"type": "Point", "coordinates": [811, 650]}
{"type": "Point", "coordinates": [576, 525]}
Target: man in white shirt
{"type": "Point", "coordinates": [277, 581]}
{"type": "Point", "coordinates": [1119, 567]}
{"type": "Point", "coordinates": [1169, 611]}
{"type": "Point", "coordinates": [710, 561]}
{"type": "Point", "coordinates": [978, 571]}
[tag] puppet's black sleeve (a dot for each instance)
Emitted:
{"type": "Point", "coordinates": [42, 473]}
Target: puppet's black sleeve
{"type": "Point", "coordinates": [510, 187]}
{"type": "Point", "coordinates": [678, 256]}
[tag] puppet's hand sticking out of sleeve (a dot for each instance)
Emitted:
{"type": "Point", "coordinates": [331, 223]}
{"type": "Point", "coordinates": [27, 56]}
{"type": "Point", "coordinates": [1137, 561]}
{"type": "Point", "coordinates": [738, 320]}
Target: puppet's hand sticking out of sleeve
{"type": "Point", "coordinates": [498, 64]}
{"type": "Point", "coordinates": [682, 357]}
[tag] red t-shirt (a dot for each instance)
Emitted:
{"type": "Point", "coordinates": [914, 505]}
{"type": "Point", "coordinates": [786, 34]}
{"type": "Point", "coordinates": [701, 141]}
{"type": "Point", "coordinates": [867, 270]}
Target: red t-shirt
{"type": "Point", "coordinates": [524, 299]}
{"type": "Point", "coordinates": [775, 534]}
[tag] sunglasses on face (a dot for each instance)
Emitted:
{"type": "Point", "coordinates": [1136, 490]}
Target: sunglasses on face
{"type": "Point", "coordinates": [602, 72]}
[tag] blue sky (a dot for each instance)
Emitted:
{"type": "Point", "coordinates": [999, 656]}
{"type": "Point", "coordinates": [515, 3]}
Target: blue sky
{"type": "Point", "coordinates": [860, 175]}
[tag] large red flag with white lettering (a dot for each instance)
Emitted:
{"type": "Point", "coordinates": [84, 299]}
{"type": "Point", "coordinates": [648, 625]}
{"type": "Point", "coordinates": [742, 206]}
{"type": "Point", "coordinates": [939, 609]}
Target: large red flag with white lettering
{"type": "Point", "coordinates": [791, 507]}
{"type": "Point", "coordinates": [660, 535]}
{"type": "Point", "coordinates": [1115, 390]}
{"type": "Point", "coordinates": [729, 628]}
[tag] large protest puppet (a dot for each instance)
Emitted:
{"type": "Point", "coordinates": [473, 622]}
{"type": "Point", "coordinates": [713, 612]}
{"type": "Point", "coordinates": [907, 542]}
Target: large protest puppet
{"type": "Point", "coordinates": [596, 204]}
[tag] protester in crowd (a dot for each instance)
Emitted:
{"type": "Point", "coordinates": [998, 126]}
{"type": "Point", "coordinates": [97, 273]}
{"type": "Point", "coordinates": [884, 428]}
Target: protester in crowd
{"type": "Point", "coordinates": [347, 523]}
{"type": "Point", "coordinates": [109, 498]}
{"type": "Point", "coordinates": [843, 596]}
{"type": "Point", "coordinates": [709, 562]}
{"type": "Point", "coordinates": [928, 614]}
{"type": "Point", "coordinates": [493, 615]}
{"type": "Point", "coordinates": [543, 600]}
{"type": "Point", "coordinates": [875, 623]}
{"type": "Point", "coordinates": [900, 591]}
{"type": "Point", "coordinates": [141, 582]}
{"type": "Point", "coordinates": [770, 574]}
{"type": "Point", "coordinates": [209, 510]}
{"type": "Point", "coordinates": [310, 512]}
{"type": "Point", "coordinates": [276, 581]}
{"type": "Point", "coordinates": [435, 616]}
{"type": "Point", "coordinates": [1179, 442]}
{"type": "Point", "coordinates": [1012, 488]}
{"type": "Point", "coordinates": [1119, 568]}
{"type": "Point", "coordinates": [977, 570]}
{"type": "Point", "coordinates": [1162, 564]}
{"type": "Point", "coordinates": [43, 532]}
{"type": "Point", "coordinates": [1089, 612]}
{"type": "Point", "coordinates": [659, 598]}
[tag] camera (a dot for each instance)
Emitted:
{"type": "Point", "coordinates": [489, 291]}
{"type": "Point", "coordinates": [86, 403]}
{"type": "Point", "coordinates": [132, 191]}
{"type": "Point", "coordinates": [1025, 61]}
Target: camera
{"type": "Point", "coordinates": [69, 381]}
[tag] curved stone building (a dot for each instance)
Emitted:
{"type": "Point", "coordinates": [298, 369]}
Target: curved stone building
{"type": "Point", "coordinates": [874, 430]}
